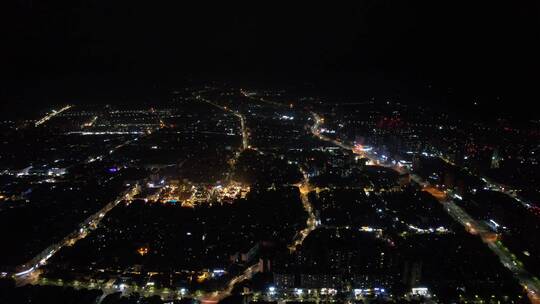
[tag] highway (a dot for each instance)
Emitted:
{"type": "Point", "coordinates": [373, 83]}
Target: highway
{"type": "Point", "coordinates": [28, 272]}
{"type": "Point", "coordinates": [51, 115]}
{"type": "Point", "coordinates": [527, 280]}
{"type": "Point", "coordinates": [494, 186]}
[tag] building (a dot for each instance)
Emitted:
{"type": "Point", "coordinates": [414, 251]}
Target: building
{"type": "Point", "coordinates": [284, 280]}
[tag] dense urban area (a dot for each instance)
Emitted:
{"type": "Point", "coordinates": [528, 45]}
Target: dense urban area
{"type": "Point", "coordinates": [248, 195]}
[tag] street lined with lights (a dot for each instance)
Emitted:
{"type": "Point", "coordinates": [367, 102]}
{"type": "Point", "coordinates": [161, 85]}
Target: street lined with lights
{"type": "Point", "coordinates": [531, 285]}
{"type": "Point", "coordinates": [51, 115]}
{"type": "Point", "coordinates": [26, 271]}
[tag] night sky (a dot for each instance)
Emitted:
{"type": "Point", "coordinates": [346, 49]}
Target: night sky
{"type": "Point", "coordinates": [102, 50]}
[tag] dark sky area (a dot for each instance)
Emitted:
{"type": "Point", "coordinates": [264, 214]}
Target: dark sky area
{"type": "Point", "coordinates": [91, 50]}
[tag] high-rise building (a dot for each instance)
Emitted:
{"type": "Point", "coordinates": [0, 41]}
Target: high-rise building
{"type": "Point", "coordinates": [495, 159]}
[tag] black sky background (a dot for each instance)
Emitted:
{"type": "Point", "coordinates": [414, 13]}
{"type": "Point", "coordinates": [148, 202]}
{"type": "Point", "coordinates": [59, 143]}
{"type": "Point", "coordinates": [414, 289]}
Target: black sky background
{"type": "Point", "coordinates": [440, 52]}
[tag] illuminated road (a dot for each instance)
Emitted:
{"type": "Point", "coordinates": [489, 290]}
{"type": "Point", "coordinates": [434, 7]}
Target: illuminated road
{"type": "Point", "coordinates": [28, 272]}
{"type": "Point", "coordinates": [90, 123]}
{"type": "Point", "coordinates": [317, 133]}
{"type": "Point", "coordinates": [51, 115]}
{"type": "Point", "coordinates": [241, 117]}
{"type": "Point", "coordinates": [253, 97]}
{"type": "Point", "coordinates": [217, 296]}
{"type": "Point", "coordinates": [121, 145]}
{"type": "Point", "coordinates": [494, 186]}
{"type": "Point", "coordinates": [167, 294]}
{"type": "Point", "coordinates": [525, 278]}
{"type": "Point", "coordinates": [472, 226]}
{"type": "Point", "coordinates": [245, 137]}
{"type": "Point", "coordinates": [304, 188]}
{"type": "Point", "coordinates": [311, 224]}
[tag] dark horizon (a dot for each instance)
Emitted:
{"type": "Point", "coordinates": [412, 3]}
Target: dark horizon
{"type": "Point", "coordinates": [103, 51]}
